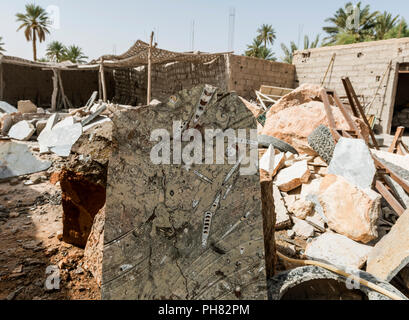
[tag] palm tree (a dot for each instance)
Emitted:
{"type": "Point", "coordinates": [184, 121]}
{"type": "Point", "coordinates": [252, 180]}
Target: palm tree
{"type": "Point", "coordinates": [74, 54]}
{"type": "Point", "coordinates": [401, 30]}
{"type": "Point", "coordinates": [367, 22]}
{"type": "Point", "coordinates": [289, 51]}
{"type": "Point", "coordinates": [384, 23]}
{"type": "Point", "coordinates": [257, 50]}
{"type": "Point", "coordinates": [254, 49]}
{"type": "Point", "coordinates": [266, 34]}
{"type": "Point", "coordinates": [1, 45]}
{"type": "Point", "coordinates": [56, 51]}
{"type": "Point", "coordinates": [35, 22]}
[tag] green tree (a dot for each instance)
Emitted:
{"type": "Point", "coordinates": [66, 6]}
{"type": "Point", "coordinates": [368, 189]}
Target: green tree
{"type": "Point", "coordinates": [74, 54]}
{"type": "Point", "coordinates": [266, 34]}
{"type": "Point", "coordinates": [56, 51]}
{"type": "Point", "coordinates": [1, 45]}
{"type": "Point", "coordinates": [257, 50]}
{"type": "Point", "coordinates": [401, 30]}
{"type": "Point", "coordinates": [385, 22]}
{"type": "Point", "coordinates": [35, 23]}
{"type": "Point", "coordinates": [289, 51]}
{"type": "Point", "coordinates": [339, 29]}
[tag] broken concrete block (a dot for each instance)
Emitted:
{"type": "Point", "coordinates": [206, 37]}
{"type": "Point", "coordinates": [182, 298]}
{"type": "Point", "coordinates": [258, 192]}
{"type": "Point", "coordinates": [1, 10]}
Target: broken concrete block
{"type": "Point", "coordinates": [353, 161]}
{"type": "Point", "coordinates": [350, 210]}
{"type": "Point", "coordinates": [267, 160]}
{"type": "Point", "coordinates": [282, 218]}
{"type": "Point", "coordinates": [40, 125]}
{"type": "Point", "coordinates": [402, 196]}
{"type": "Point", "coordinates": [338, 250]}
{"type": "Point", "coordinates": [291, 178]}
{"type": "Point", "coordinates": [22, 131]}
{"type": "Point", "coordinates": [7, 108]}
{"type": "Point", "coordinates": [303, 229]}
{"type": "Point", "coordinates": [26, 106]}
{"type": "Point", "coordinates": [310, 188]}
{"type": "Point", "coordinates": [161, 236]}
{"type": "Point", "coordinates": [396, 159]}
{"type": "Point", "coordinates": [16, 160]}
{"type": "Point", "coordinates": [301, 209]}
{"type": "Point", "coordinates": [391, 254]}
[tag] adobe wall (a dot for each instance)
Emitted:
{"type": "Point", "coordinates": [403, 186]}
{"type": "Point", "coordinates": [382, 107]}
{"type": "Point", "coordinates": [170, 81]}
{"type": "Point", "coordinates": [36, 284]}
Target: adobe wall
{"type": "Point", "coordinates": [365, 64]}
{"type": "Point", "coordinates": [131, 84]}
{"type": "Point", "coordinates": [35, 84]}
{"type": "Point", "coordinates": [248, 74]}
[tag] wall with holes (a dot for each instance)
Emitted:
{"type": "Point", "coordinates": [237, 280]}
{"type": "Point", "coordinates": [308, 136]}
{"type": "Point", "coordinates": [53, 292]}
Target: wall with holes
{"type": "Point", "coordinates": [131, 84]}
{"type": "Point", "coordinates": [365, 64]}
{"type": "Point", "coordinates": [248, 74]}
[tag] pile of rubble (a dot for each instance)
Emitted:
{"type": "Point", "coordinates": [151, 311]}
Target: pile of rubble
{"type": "Point", "coordinates": [330, 199]}
{"type": "Point", "coordinates": [328, 194]}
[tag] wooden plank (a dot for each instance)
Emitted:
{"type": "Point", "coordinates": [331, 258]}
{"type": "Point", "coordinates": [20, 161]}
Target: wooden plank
{"type": "Point", "coordinates": [330, 116]}
{"type": "Point", "coordinates": [54, 96]}
{"type": "Point", "coordinates": [347, 117]}
{"type": "Point", "coordinates": [104, 87]}
{"type": "Point", "coordinates": [362, 113]}
{"type": "Point", "coordinates": [149, 89]}
{"type": "Point", "coordinates": [350, 99]}
{"type": "Point", "coordinates": [396, 139]}
{"type": "Point", "coordinates": [392, 173]}
{"type": "Point", "coordinates": [388, 196]}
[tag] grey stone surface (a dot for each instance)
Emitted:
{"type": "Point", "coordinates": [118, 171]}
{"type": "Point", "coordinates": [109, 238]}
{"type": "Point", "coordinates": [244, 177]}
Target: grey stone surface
{"type": "Point", "coordinates": [156, 214]}
{"type": "Point", "coordinates": [22, 131]}
{"type": "Point", "coordinates": [16, 159]}
{"type": "Point", "coordinates": [352, 160]}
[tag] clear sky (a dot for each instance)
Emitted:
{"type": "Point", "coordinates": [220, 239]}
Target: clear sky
{"type": "Point", "coordinates": [105, 27]}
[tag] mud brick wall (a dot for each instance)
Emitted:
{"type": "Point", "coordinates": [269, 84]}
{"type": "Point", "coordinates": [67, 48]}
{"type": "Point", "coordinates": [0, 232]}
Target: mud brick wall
{"type": "Point", "coordinates": [364, 63]}
{"type": "Point", "coordinates": [248, 74]}
{"type": "Point", "coordinates": [131, 84]}
{"type": "Point", "coordinates": [35, 84]}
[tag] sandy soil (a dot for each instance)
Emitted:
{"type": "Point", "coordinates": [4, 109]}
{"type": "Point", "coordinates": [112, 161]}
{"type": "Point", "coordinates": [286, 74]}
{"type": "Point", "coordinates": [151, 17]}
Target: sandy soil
{"type": "Point", "coordinates": [30, 228]}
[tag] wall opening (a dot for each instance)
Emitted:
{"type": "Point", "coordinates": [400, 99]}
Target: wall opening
{"type": "Point", "coordinates": [401, 107]}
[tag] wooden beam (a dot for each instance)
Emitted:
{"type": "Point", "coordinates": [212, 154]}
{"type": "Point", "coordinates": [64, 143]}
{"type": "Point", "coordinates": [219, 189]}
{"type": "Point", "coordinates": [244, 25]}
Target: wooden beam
{"type": "Point", "coordinates": [347, 117]}
{"type": "Point", "coordinates": [55, 91]}
{"type": "Point", "coordinates": [383, 190]}
{"type": "Point", "coordinates": [149, 89]}
{"type": "Point", "coordinates": [1, 82]}
{"type": "Point", "coordinates": [393, 175]}
{"type": "Point", "coordinates": [65, 100]}
{"type": "Point", "coordinates": [350, 99]}
{"type": "Point", "coordinates": [362, 113]}
{"type": "Point", "coordinates": [330, 116]}
{"type": "Point", "coordinates": [104, 87]}
{"type": "Point", "coordinates": [396, 139]}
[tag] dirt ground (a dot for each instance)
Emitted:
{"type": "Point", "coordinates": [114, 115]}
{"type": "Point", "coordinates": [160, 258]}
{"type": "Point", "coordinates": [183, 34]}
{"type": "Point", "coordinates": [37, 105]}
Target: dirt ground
{"type": "Point", "coordinates": [30, 249]}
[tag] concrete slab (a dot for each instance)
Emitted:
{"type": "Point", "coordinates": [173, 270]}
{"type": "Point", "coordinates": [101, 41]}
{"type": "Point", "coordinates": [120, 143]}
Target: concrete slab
{"type": "Point", "coordinates": [7, 108]}
{"type": "Point", "coordinates": [22, 131]}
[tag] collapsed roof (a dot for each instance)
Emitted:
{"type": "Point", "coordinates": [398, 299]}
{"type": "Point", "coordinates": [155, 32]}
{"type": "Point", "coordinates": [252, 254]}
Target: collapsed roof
{"type": "Point", "coordinates": [137, 56]}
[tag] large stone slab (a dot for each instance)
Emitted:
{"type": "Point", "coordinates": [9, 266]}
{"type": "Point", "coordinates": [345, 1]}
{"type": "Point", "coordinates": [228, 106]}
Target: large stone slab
{"type": "Point", "coordinates": [350, 210]}
{"type": "Point", "coordinates": [338, 250]}
{"type": "Point", "coordinates": [22, 131]}
{"type": "Point", "coordinates": [179, 230]}
{"type": "Point", "coordinates": [353, 161]}
{"type": "Point", "coordinates": [16, 160]}
{"type": "Point", "coordinates": [391, 254]}
{"type": "Point", "coordinates": [282, 217]}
